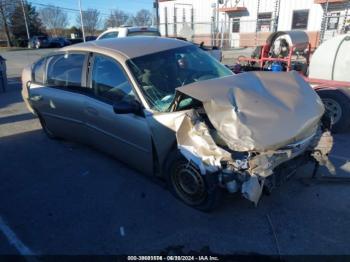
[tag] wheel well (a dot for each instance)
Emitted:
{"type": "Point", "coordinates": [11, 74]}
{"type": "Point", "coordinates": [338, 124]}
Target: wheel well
{"type": "Point", "coordinates": [171, 155]}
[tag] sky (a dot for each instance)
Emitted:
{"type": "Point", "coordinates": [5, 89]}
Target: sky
{"type": "Point", "coordinates": [104, 6]}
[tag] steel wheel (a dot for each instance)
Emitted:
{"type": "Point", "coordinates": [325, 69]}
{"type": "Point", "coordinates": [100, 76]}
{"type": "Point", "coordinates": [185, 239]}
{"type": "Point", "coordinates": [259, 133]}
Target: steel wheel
{"type": "Point", "coordinates": [189, 183]}
{"type": "Point", "coordinates": [333, 109]}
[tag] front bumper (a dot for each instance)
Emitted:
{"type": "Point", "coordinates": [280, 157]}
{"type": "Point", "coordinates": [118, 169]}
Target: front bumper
{"type": "Point", "coordinates": [248, 171]}
{"type": "Point", "coordinates": [270, 169]}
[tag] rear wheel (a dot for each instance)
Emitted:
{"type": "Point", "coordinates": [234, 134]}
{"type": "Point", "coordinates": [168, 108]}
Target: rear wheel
{"type": "Point", "coordinates": [46, 130]}
{"type": "Point", "coordinates": [337, 107]}
{"type": "Point", "coordinates": [190, 186]}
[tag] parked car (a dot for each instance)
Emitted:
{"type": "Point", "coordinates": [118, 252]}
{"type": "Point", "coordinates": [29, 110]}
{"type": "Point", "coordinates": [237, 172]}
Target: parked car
{"type": "Point", "coordinates": [59, 42]}
{"type": "Point", "coordinates": [75, 40]}
{"type": "Point", "coordinates": [125, 31]}
{"type": "Point", "coordinates": [39, 42]}
{"type": "Point", "coordinates": [90, 38]}
{"type": "Point", "coordinates": [172, 111]}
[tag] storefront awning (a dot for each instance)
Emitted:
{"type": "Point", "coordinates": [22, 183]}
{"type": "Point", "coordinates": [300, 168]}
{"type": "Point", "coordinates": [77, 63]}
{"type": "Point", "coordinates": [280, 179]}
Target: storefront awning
{"type": "Point", "coordinates": [234, 11]}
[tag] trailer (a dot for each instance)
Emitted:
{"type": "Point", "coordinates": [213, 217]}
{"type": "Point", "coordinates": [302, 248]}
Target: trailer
{"type": "Point", "coordinates": [327, 70]}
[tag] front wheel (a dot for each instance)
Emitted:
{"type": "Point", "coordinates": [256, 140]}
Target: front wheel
{"type": "Point", "coordinates": [191, 187]}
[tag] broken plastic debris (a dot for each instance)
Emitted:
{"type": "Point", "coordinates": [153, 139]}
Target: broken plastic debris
{"type": "Point", "coordinates": [252, 189]}
{"type": "Point", "coordinates": [196, 144]}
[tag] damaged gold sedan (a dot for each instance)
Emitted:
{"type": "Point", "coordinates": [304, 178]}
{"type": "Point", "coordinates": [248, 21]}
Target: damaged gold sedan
{"type": "Point", "coordinates": [168, 109]}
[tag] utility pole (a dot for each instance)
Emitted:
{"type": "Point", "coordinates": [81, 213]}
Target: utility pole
{"type": "Point", "coordinates": [25, 20]}
{"type": "Point", "coordinates": [156, 6]}
{"type": "Point", "coordinates": [81, 20]}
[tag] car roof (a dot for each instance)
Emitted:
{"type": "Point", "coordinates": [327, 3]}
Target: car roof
{"type": "Point", "coordinates": [130, 47]}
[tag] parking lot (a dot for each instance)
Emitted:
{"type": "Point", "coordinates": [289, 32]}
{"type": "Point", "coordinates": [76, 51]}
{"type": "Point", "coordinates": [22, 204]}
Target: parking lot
{"type": "Point", "coordinates": [58, 197]}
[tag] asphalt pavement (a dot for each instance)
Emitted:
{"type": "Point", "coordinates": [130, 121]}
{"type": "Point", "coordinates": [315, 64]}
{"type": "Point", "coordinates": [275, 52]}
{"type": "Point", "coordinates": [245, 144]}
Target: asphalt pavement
{"type": "Point", "coordinates": [58, 197]}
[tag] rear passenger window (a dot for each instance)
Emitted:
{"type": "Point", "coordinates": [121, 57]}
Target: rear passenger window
{"type": "Point", "coordinates": [38, 71]}
{"type": "Point", "coordinates": [65, 70]}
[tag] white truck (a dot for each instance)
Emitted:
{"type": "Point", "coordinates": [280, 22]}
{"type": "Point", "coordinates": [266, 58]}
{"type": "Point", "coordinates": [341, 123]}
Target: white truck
{"type": "Point", "coordinates": [125, 31]}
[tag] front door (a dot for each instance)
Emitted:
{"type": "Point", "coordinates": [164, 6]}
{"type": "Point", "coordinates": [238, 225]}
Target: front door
{"type": "Point", "coordinates": [126, 136]}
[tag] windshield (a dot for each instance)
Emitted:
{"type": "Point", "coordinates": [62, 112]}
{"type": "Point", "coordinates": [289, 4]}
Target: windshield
{"type": "Point", "coordinates": [159, 74]}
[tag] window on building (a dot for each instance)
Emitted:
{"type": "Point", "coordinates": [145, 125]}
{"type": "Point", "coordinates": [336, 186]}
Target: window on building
{"type": "Point", "coordinates": [333, 21]}
{"type": "Point", "coordinates": [300, 19]}
{"type": "Point", "coordinates": [264, 22]}
{"type": "Point", "coordinates": [235, 25]}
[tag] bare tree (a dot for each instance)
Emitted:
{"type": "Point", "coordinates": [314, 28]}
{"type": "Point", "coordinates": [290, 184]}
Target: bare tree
{"type": "Point", "coordinates": [143, 17]}
{"type": "Point", "coordinates": [17, 22]}
{"type": "Point", "coordinates": [54, 19]}
{"type": "Point", "coordinates": [91, 20]}
{"type": "Point", "coordinates": [117, 18]}
{"type": "Point", "coordinates": [6, 8]}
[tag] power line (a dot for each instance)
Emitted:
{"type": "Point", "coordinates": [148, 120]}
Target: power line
{"type": "Point", "coordinates": [64, 8]}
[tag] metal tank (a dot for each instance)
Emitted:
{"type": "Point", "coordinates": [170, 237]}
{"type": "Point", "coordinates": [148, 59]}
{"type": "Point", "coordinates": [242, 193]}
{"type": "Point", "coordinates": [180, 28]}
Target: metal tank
{"type": "Point", "coordinates": [331, 60]}
{"type": "Point", "coordinates": [281, 40]}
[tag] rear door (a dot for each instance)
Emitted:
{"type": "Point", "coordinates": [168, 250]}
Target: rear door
{"type": "Point", "coordinates": [59, 99]}
{"type": "Point", "coordinates": [126, 136]}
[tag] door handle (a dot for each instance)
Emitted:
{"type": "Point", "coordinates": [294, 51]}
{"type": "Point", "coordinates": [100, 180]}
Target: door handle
{"type": "Point", "coordinates": [35, 98]}
{"type": "Point", "coordinates": [91, 111]}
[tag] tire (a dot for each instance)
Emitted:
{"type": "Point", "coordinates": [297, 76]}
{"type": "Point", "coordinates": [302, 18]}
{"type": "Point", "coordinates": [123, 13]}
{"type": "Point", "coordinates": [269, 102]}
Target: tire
{"type": "Point", "coordinates": [337, 107]}
{"type": "Point", "coordinates": [186, 183]}
{"type": "Point", "coordinates": [46, 130]}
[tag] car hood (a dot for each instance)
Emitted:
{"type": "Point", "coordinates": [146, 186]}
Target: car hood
{"type": "Point", "coordinates": [259, 111]}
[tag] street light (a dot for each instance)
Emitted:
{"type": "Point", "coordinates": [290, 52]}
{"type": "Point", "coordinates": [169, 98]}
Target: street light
{"type": "Point", "coordinates": [81, 20]}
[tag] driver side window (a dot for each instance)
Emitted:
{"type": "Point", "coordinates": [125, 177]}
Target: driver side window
{"type": "Point", "coordinates": [109, 83]}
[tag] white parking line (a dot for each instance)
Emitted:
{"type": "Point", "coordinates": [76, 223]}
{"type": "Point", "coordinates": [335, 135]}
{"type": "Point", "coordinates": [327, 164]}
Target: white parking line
{"type": "Point", "coordinates": [13, 239]}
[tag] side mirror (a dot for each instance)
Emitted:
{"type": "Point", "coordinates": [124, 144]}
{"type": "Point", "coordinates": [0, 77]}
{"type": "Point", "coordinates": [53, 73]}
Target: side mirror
{"type": "Point", "coordinates": [127, 107]}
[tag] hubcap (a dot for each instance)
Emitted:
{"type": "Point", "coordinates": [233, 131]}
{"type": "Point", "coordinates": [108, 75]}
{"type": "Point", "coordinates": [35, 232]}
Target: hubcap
{"type": "Point", "coordinates": [333, 109]}
{"type": "Point", "coordinates": [189, 184]}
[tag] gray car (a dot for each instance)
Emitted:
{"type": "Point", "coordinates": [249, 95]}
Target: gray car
{"type": "Point", "coordinates": [170, 110]}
